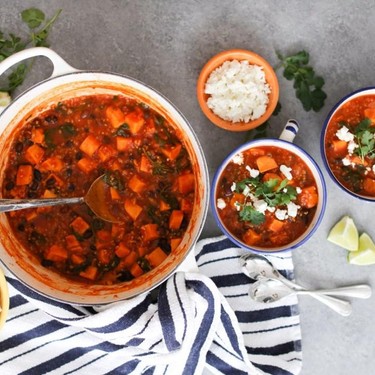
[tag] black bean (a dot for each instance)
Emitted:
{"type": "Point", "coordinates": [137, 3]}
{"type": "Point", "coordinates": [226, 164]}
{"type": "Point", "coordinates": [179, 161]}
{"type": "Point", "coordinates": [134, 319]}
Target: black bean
{"type": "Point", "coordinates": [164, 245]}
{"type": "Point", "coordinates": [47, 263]}
{"type": "Point", "coordinates": [79, 155]}
{"type": "Point", "coordinates": [50, 183]}
{"type": "Point", "coordinates": [9, 185]}
{"type": "Point", "coordinates": [34, 185]}
{"type": "Point", "coordinates": [87, 234]}
{"type": "Point", "coordinates": [37, 175]}
{"type": "Point", "coordinates": [71, 187]}
{"type": "Point", "coordinates": [93, 247]}
{"type": "Point", "coordinates": [21, 227]}
{"type": "Point", "coordinates": [31, 194]}
{"type": "Point", "coordinates": [69, 143]}
{"type": "Point", "coordinates": [69, 172]}
{"type": "Point", "coordinates": [19, 147]}
{"type": "Point", "coordinates": [125, 275]}
{"type": "Point", "coordinates": [51, 119]}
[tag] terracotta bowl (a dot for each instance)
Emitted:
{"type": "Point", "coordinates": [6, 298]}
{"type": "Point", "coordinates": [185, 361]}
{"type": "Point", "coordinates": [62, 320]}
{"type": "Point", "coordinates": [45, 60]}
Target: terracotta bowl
{"type": "Point", "coordinates": [240, 55]}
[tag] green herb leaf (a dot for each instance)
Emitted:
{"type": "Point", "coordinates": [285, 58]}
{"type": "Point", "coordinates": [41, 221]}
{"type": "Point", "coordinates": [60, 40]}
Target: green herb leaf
{"type": "Point", "coordinates": [249, 213]}
{"type": "Point", "coordinates": [308, 86]}
{"type": "Point", "coordinates": [123, 131]}
{"type": "Point", "coordinates": [114, 180]}
{"type": "Point", "coordinates": [11, 44]}
{"type": "Point", "coordinates": [364, 136]}
{"type": "Point", "coordinates": [33, 17]}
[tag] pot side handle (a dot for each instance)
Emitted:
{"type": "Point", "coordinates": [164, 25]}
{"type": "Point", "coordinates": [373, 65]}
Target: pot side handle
{"type": "Point", "coordinates": [60, 66]}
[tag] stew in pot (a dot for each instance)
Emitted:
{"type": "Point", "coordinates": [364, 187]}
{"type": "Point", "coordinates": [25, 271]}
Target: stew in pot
{"type": "Point", "coordinates": [150, 179]}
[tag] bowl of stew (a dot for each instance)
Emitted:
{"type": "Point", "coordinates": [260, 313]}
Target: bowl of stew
{"type": "Point", "coordinates": [348, 144]}
{"type": "Point", "coordinates": [268, 195]}
{"type": "Point", "coordinates": [56, 139]}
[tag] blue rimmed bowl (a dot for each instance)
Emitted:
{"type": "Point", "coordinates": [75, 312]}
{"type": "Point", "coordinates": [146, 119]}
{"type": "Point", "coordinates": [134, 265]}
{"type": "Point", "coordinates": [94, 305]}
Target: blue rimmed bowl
{"type": "Point", "coordinates": [330, 124]}
{"type": "Point", "coordinates": [284, 143]}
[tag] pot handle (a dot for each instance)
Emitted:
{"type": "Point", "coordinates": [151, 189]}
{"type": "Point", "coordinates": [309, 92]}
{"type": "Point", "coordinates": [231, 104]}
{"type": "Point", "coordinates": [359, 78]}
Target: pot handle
{"type": "Point", "coordinates": [60, 66]}
{"type": "Point", "coordinates": [290, 131]}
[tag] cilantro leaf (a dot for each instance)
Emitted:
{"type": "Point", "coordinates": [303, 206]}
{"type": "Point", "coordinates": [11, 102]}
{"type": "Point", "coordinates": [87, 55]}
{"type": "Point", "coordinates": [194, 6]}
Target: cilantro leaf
{"type": "Point", "coordinates": [33, 17]}
{"type": "Point", "coordinates": [364, 137]}
{"type": "Point", "coordinates": [249, 213]}
{"type": "Point", "coordinates": [308, 86]}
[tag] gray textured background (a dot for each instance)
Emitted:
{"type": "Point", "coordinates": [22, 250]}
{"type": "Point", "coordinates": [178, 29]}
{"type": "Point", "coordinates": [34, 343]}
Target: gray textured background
{"type": "Point", "coordinates": [166, 43]}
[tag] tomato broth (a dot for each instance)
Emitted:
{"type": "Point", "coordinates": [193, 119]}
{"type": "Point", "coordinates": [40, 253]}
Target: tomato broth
{"type": "Point", "coordinates": [350, 145]}
{"type": "Point", "coordinates": [266, 197]}
{"type": "Point", "coordinates": [150, 187]}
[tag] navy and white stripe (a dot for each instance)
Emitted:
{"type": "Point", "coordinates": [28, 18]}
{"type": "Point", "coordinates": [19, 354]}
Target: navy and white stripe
{"type": "Point", "coordinates": [191, 329]}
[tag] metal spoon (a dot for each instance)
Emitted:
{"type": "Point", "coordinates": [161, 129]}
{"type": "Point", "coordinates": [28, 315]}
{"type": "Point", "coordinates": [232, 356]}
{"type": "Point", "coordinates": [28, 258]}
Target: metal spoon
{"type": "Point", "coordinates": [259, 267]}
{"type": "Point", "coordinates": [271, 290]}
{"type": "Point", "coordinates": [95, 199]}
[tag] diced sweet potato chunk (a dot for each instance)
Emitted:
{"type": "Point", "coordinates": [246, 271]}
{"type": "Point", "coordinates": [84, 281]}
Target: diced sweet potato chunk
{"type": "Point", "coordinates": [123, 143]}
{"type": "Point", "coordinates": [106, 152]}
{"type": "Point", "coordinates": [79, 225]}
{"type": "Point", "coordinates": [136, 270]}
{"type": "Point", "coordinates": [53, 164]}
{"type": "Point", "coordinates": [156, 257]}
{"type": "Point", "coordinates": [122, 250]}
{"type": "Point", "coordinates": [136, 184]}
{"type": "Point", "coordinates": [135, 121]}
{"type": "Point", "coordinates": [56, 253]}
{"type": "Point", "coordinates": [132, 209]}
{"type": "Point", "coordinates": [175, 219]}
{"type": "Point", "coordinates": [24, 175]}
{"type": "Point", "coordinates": [86, 165]}
{"type": "Point", "coordinates": [150, 232]}
{"type": "Point", "coordinates": [91, 273]}
{"type": "Point", "coordinates": [37, 135]}
{"type": "Point", "coordinates": [266, 163]}
{"type": "Point", "coordinates": [90, 145]}
{"type": "Point", "coordinates": [186, 183]}
{"type": "Point", "coordinates": [34, 154]}
{"type": "Point", "coordinates": [115, 116]}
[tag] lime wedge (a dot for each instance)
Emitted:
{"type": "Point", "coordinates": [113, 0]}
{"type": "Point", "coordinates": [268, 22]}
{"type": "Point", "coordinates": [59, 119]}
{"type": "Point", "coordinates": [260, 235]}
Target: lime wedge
{"type": "Point", "coordinates": [344, 234]}
{"type": "Point", "coordinates": [366, 252]}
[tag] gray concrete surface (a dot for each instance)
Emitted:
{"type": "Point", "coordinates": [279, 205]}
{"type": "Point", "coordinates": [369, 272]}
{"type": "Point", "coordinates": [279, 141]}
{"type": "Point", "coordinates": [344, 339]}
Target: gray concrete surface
{"type": "Point", "coordinates": [166, 43]}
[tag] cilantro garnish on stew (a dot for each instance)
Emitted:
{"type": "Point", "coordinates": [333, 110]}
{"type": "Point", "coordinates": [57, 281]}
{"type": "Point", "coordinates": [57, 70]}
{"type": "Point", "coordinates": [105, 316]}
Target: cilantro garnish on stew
{"type": "Point", "coordinates": [273, 192]}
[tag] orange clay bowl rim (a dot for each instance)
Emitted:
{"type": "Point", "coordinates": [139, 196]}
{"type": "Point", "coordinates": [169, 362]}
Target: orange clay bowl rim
{"type": "Point", "coordinates": [241, 55]}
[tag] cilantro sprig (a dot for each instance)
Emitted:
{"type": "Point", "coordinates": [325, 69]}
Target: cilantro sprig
{"type": "Point", "coordinates": [364, 137]}
{"type": "Point", "coordinates": [39, 28]}
{"type": "Point", "coordinates": [308, 85]}
{"type": "Point", "coordinates": [273, 192]}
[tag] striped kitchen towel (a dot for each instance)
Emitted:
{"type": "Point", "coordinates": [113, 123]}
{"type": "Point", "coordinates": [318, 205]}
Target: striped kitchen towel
{"type": "Point", "coordinates": [200, 323]}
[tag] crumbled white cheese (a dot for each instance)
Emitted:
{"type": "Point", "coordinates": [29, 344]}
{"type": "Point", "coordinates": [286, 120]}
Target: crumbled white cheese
{"type": "Point", "coordinates": [260, 205]}
{"type": "Point", "coordinates": [298, 190]}
{"type": "Point", "coordinates": [221, 204]}
{"type": "Point", "coordinates": [237, 205]}
{"type": "Point", "coordinates": [271, 209]}
{"type": "Point", "coordinates": [253, 172]}
{"type": "Point", "coordinates": [238, 159]}
{"type": "Point", "coordinates": [246, 191]}
{"type": "Point", "coordinates": [373, 168]}
{"type": "Point", "coordinates": [351, 147]}
{"type": "Point", "coordinates": [233, 187]}
{"type": "Point", "coordinates": [292, 209]}
{"type": "Point", "coordinates": [285, 190]}
{"type": "Point", "coordinates": [286, 171]}
{"type": "Point", "coordinates": [346, 162]}
{"type": "Point", "coordinates": [344, 134]}
{"type": "Point", "coordinates": [281, 214]}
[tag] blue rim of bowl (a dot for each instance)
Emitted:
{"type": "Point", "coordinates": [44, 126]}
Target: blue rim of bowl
{"type": "Point", "coordinates": [217, 175]}
{"type": "Point", "coordinates": [322, 148]}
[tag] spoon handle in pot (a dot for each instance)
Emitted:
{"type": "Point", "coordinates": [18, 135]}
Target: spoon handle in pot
{"type": "Point", "coordinates": [7, 205]}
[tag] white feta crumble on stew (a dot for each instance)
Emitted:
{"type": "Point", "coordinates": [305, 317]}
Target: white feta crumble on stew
{"type": "Point", "coordinates": [260, 205]}
{"type": "Point", "coordinates": [238, 159]}
{"type": "Point", "coordinates": [253, 172]}
{"type": "Point", "coordinates": [292, 209]}
{"type": "Point", "coordinates": [286, 171]}
{"type": "Point", "coordinates": [298, 190]}
{"type": "Point", "coordinates": [344, 134]}
{"type": "Point", "coordinates": [281, 214]}
{"type": "Point", "coordinates": [351, 147]}
{"type": "Point", "coordinates": [221, 204]}
{"type": "Point", "coordinates": [346, 162]}
{"type": "Point", "coordinates": [233, 187]}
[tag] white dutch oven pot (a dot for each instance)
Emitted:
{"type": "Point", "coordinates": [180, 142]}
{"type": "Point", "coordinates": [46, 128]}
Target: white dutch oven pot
{"type": "Point", "coordinates": [67, 82]}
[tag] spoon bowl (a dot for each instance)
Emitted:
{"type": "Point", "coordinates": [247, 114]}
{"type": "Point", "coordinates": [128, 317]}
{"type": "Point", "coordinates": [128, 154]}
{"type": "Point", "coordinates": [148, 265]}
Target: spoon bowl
{"type": "Point", "coordinates": [94, 198]}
